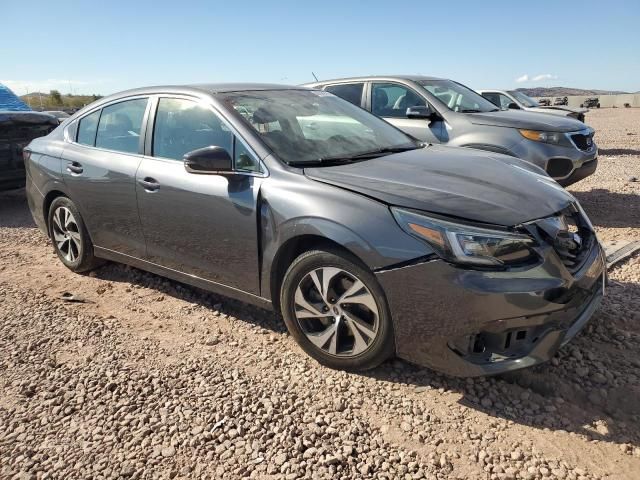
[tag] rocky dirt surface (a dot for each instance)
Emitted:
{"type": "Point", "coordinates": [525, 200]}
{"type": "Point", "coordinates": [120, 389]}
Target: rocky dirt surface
{"type": "Point", "coordinates": [143, 377]}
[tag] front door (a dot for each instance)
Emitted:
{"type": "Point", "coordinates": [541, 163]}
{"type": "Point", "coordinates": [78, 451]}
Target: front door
{"type": "Point", "coordinates": [203, 225]}
{"type": "Point", "coordinates": [391, 100]}
{"type": "Point", "coordinates": [99, 170]}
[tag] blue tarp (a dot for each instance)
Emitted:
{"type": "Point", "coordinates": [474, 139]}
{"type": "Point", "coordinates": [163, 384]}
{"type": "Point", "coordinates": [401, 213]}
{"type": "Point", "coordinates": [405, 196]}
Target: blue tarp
{"type": "Point", "coordinates": [10, 101]}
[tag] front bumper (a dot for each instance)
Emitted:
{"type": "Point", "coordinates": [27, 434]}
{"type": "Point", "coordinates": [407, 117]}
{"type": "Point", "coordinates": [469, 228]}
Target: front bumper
{"type": "Point", "coordinates": [564, 164]}
{"type": "Point", "coordinates": [469, 323]}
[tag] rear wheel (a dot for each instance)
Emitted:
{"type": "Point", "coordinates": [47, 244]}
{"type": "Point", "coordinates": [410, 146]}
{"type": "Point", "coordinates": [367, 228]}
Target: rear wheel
{"type": "Point", "coordinates": [70, 237]}
{"type": "Point", "coordinates": [336, 310]}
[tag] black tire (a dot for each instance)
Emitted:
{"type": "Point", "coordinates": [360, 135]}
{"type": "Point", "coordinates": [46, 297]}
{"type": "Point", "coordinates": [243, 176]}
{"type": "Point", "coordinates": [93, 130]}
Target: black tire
{"type": "Point", "coordinates": [82, 258]}
{"type": "Point", "coordinates": [380, 348]}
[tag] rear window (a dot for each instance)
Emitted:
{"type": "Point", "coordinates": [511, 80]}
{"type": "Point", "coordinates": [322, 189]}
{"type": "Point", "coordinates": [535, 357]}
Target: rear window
{"type": "Point", "coordinates": [87, 128]}
{"type": "Point", "coordinates": [120, 124]}
{"type": "Point", "coordinates": [351, 92]}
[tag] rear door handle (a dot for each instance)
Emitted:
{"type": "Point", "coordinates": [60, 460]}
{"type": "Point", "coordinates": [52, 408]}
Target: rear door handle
{"type": "Point", "coordinates": [74, 167]}
{"type": "Point", "coordinates": [149, 184]}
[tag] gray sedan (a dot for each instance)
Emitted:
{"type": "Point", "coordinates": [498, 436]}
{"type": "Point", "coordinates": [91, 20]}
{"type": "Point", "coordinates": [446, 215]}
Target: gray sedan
{"type": "Point", "coordinates": [437, 110]}
{"type": "Point", "coordinates": [369, 242]}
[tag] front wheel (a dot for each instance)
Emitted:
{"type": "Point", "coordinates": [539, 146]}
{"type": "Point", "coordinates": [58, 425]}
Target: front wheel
{"type": "Point", "coordinates": [336, 310]}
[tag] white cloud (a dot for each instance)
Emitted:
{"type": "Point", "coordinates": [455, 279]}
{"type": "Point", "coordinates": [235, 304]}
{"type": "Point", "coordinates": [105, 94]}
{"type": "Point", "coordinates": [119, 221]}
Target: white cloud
{"type": "Point", "coordinates": [21, 87]}
{"type": "Point", "coordinates": [523, 78]}
{"type": "Point", "coordinates": [544, 76]}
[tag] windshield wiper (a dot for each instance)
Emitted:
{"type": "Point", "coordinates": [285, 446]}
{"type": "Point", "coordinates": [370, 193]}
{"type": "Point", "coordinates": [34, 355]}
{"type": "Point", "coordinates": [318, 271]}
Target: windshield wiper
{"type": "Point", "coordinates": [357, 157]}
{"type": "Point", "coordinates": [382, 151]}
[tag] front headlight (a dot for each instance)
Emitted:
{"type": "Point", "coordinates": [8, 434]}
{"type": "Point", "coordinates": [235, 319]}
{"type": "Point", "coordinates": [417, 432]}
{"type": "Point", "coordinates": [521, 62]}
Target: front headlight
{"type": "Point", "coordinates": [460, 243]}
{"type": "Point", "coordinates": [555, 138]}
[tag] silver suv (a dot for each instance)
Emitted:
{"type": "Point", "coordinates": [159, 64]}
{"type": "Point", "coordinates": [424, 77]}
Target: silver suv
{"type": "Point", "coordinates": [437, 110]}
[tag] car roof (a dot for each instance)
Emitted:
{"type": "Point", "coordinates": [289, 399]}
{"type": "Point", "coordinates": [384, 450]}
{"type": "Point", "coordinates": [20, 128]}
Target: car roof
{"type": "Point", "coordinates": [376, 77]}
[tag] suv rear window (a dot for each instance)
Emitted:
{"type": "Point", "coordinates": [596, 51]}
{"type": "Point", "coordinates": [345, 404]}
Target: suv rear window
{"type": "Point", "coordinates": [351, 92]}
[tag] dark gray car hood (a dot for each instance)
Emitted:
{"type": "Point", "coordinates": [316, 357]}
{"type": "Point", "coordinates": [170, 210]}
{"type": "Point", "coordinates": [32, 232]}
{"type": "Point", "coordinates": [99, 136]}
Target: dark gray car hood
{"type": "Point", "coordinates": [528, 120]}
{"type": "Point", "coordinates": [458, 182]}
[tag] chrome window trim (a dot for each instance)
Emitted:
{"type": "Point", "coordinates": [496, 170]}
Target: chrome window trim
{"type": "Point", "coordinates": [101, 107]}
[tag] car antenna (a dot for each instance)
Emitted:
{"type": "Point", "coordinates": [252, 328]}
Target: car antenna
{"type": "Point", "coordinates": [314, 76]}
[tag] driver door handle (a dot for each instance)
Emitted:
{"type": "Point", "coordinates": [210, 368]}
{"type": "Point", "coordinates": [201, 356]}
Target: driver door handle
{"type": "Point", "coordinates": [149, 184]}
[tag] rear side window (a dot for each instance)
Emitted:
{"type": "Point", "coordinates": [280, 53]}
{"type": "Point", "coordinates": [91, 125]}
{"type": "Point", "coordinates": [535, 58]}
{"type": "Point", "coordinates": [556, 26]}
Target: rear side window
{"type": "Point", "coordinates": [87, 128]}
{"type": "Point", "coordinates": [120, 124]}
{"type": "Point", "coordinates": [351, 92]}
{"type": "Point", "coordinates": [182, 126]}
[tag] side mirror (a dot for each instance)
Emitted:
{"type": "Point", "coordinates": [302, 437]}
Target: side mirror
{"type": "Point", "coordinates": [208, 160]}
{"type": "Point", "coordinates": [420, 111]}
{"type": "Point", "coordinates": [513, 106]}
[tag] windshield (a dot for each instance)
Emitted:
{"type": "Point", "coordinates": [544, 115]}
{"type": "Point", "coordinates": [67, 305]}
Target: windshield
{"type": "Point", "coordinates": [525, 100]}
{"type": "Point", "coordinates": [309, 126]}
{"type": "Point", "coordinates": [457, 97]}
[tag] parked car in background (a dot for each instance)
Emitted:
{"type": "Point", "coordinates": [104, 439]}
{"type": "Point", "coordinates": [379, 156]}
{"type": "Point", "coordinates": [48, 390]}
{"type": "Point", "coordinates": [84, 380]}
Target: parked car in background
{"type": "Point", "coordinates": [546, 102]}
{"type": "Point", "coordinates": [437, 110]}
{"type": "Point", "coordinates": [368, 241]}
{"type": "Point", "coordinates": [561, 101]}
{"type": "Point", "coordinates": [59, 114]}
{"type": "Point", "coordinates": [592, 102]}
{"type": "Point", "coordinates": [18, 126]}
{"type": "Point", "coordinates": [515, 100]}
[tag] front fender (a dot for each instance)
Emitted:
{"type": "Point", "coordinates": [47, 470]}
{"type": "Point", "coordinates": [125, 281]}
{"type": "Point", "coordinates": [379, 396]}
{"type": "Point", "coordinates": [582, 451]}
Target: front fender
{"type": "Point", "coordinates": [307, 208]}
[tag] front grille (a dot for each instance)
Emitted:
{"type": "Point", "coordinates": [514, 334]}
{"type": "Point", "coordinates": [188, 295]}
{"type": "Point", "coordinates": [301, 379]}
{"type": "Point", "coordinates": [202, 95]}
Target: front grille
{"type": "Point", "coordinates": [583, 142]}
{"type": "Point", "coordinates": [570, 235]}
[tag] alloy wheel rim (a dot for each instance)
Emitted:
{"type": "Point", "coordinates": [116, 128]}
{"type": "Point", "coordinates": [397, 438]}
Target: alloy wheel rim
{"type": "Point", "coordinates": [336, 312]}
{"type": "Point", "coordinates": [66, 234]}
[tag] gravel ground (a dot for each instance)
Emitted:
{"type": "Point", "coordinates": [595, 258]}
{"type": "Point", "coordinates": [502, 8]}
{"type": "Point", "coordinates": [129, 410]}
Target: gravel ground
{"type": "Point", "coordinates": [148, 378]}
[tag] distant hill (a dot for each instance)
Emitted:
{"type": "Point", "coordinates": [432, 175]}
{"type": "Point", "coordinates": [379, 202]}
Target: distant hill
{"type": "Point", "coordinates": [564, 92]}
{"type": "Point", "coordinates": [55, 101]}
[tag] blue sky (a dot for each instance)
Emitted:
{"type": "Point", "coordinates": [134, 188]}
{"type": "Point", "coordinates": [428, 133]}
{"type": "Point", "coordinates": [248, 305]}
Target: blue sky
{"type": "Point", "coordinates": [104, 47]}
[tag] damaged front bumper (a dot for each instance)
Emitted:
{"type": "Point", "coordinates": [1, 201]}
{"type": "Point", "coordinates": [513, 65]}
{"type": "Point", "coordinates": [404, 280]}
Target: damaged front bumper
{"type": "Point", "coordinates": [468, 322]}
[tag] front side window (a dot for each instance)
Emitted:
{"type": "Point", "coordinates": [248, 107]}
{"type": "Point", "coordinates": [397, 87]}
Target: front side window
{"type": "Point", "coordinates": [314, 126]}
{"type": "Point", "coordinates": [392, 100]}
{"type": "Point", "coordinates": [87, 128]}
{"type": "Point", "coordinates": [351, 92]}
{"type": "Point", "coordinates": [120, 124]}
{"type": "Point", "coordinates": [457, 97]}
{"type": "Point", "coordinates": [182, 126]}
{"type": "Point", "coordinates": [498, 99]}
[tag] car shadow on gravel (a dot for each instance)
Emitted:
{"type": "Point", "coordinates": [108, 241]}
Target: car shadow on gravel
{"type": "Point", "coordinates": [610, 209]}
{"type": "Point", "coordinates": [14, 210]}
{"type": "Point", "coordinates": [591, 387]}
{"type": "Point", "coordinates": [119, 273]}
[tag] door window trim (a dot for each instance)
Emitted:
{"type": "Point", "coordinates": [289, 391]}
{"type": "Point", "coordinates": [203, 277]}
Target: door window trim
{"type": "Point", "coordinates": [143, 127]}
{"type": "Point", "coordinates": [153, 111]}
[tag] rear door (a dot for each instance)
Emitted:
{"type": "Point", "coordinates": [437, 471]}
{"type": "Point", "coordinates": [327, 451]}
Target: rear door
{"type": "Point", "coordinates": [99, 169]}
{"type": "Point", "coordinates": [203, 225]}
{"type": "Point", "coordinates": [390, 101]}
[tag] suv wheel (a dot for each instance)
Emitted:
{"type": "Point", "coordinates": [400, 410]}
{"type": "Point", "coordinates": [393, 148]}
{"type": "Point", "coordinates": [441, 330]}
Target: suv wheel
{"type": "Point", "coordinates": [336, 310]}
{"type": "Point", "coordinates": [69, 236]}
